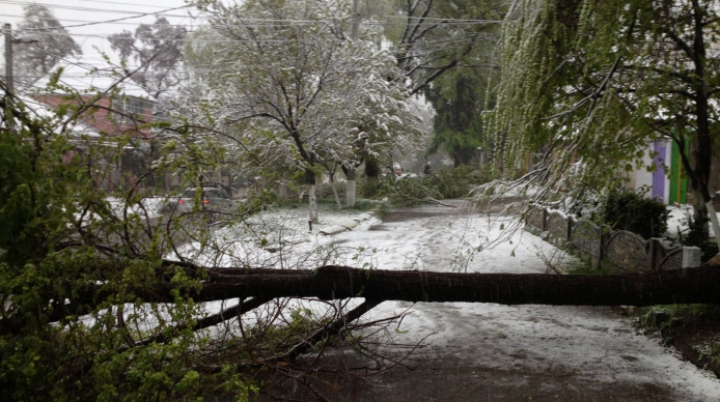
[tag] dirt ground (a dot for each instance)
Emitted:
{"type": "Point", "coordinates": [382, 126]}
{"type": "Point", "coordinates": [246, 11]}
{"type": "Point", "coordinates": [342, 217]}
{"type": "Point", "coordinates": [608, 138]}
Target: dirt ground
{"type": "Point", "coordinates": [447, 381]}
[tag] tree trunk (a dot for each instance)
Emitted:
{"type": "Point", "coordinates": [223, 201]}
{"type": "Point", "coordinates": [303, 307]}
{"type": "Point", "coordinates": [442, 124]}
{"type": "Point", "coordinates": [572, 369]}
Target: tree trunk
{"type": "Point", "coordinates": [312, 198]}
{"type": "Point", "coordinates": [372, 173]}
{"type": "Point", "coordinates": [283, 190]}
{"type": "Point", "coordinates": [351, 187]}
{"type": "Point", "coordinates": [703, 141]}
{"type": "Point", "coordinates": [335, 192]}
{"type": "Point", "coordinates": [698, 285]}
{"type": "Point", "coordinates": [372, 168]}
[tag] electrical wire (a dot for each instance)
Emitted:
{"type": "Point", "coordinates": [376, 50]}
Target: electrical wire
{"type": "Point", "coordinates": [123, 3]}
{"type": "Point", "coordinates": [404, 19]}
{"type": "Point", "coordinates": [89, 23]}
{"type": "Point", "coordinates": [101, 10]}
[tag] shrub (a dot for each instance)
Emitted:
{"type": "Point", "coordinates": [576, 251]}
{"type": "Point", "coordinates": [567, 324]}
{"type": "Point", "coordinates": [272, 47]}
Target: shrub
{"type": "Point", "coordinates": [445, 184]}
{"type": "Point", "coordinates": [699, 236]}
{"type": "Point", "coordinates": [630, 211]}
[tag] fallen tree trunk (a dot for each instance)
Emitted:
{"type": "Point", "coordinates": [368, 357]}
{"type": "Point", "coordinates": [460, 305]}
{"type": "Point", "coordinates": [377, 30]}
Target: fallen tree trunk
{"type": "Point", "coordinates": [700, 285]}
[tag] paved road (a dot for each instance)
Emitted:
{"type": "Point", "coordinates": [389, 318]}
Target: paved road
{"type": "Point", "coordinates": [507, 353]}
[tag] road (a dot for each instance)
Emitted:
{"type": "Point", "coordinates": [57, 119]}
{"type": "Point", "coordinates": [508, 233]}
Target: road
{"type": "Point", "coordinates": [505, 353]}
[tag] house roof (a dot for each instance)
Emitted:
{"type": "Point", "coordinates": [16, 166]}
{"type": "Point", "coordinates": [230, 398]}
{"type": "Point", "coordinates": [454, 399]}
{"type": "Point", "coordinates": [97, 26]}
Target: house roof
{"type": "Point", "coordinates": [42, 112]}
{"type": "Point", "coordinates": [87, 76]}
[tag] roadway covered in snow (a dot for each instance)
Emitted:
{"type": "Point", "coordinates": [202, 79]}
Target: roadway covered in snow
{"type": "Point", "coordinates": [492, 352]}
{"type": "Point", "coordinates": [542, 352]}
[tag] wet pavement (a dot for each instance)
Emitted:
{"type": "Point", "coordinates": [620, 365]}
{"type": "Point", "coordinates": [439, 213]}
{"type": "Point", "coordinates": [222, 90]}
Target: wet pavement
{"type": "Point", "coordinates": [493, 352]}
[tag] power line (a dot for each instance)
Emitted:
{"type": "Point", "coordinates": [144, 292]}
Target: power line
{"type": "Point", "coordinates": [94, 22]}
{"type": "Point", "coordinates": [42, 31]}
{"type": "Point", "coordinates": [404, 19]}
{"type": "Point", "coordinates": [123, 3]}
{"type": "Point", "coordinates": [102, 10]}
{"type": "Point", "coordinates": [86, 22]}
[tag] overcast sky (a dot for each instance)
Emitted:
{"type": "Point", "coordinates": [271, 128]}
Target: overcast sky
{"type": "Point", "coordinates": [77, 14]}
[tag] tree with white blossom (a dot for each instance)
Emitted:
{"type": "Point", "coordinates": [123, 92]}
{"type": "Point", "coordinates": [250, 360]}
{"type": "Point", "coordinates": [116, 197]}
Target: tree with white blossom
{"type": "Point", "coordinates": [290, 74]}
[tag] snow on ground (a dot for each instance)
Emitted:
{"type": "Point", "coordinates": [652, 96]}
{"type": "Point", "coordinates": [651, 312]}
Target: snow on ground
{"type": "Point", "coordinates": [678, 219]}
{"type": "Point", "coordinates": [148, 208]}
{"type": "Point", "coordinates": [585, 343]}
{"type": "Point", "coordinates": [279, 238]}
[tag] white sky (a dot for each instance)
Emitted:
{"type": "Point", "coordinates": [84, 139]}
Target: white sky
{"type": "Point", "coordinates": [82, 12]}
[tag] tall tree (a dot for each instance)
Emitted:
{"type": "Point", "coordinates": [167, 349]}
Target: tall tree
{"type": "Point", "coordinates": [434, 43]}
{"type": "Point", "coordinates": [304, 85]}
{"type": "Point", "coordinates": [439, 36]}
{"type": "Point", "coordinates": [458, 122]}
{"type": "Point", "coordinates": [597, 80]}
{"type": "Point", "coordinates": [44, 42]}
{"type": "Point", "coordinates": [157, 49]}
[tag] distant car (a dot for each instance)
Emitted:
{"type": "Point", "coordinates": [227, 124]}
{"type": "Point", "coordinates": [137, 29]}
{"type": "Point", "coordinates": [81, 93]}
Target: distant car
{"type": "Point", "coordinates": [213, 199]}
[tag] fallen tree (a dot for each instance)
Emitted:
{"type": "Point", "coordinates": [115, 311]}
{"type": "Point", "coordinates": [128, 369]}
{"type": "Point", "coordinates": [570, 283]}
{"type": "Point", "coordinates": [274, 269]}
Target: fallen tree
{"type": "Point", "coordinates": [699, 285]}
{"type": "Point", "coordinates": [90, 310]}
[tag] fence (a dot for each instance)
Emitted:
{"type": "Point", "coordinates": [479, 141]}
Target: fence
{"type": "Point", "coordinates": [625, 250]}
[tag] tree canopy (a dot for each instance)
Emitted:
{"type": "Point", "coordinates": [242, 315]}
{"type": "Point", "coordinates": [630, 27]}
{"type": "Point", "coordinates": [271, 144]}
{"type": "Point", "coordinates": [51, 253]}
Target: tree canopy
{"type": "Point", "coordinates": [590, 83]}
{"type": "Point", "coordinates": [301, 86]}
{"type": "Point", "coordinates": [458, 124]}
{"type": "Point", "coordinates": [157, 49]}
{"type": "Point", "coordinates": [43, 42]}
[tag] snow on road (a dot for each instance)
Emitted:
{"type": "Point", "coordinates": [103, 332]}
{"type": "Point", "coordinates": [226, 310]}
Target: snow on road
{"type": "Point", "coordinates": [588, 343]}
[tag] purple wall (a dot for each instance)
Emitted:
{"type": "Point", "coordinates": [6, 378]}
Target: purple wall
{"type": "Point", "coordinates": [658, 176]}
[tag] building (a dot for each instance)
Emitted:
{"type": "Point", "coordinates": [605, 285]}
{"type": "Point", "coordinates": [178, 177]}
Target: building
{"type": "Point", "coordinates": [116, 123]}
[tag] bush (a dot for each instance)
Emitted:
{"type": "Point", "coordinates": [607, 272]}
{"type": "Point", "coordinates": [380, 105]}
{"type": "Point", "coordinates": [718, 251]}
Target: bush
{"type": "Point", "coordinates": [630, 211]}
{"type": "Point", "coordinates": [376, 187]}
{"type": "Point", "coordinates": [698, 235]}
{"type": "Point", "coordinates": [445, 184]}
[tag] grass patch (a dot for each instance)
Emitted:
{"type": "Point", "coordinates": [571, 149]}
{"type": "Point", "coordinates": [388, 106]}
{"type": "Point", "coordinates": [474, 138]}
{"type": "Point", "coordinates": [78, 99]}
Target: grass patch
{"type": "Point", "coordinates": [694, 328]}
{"type": "Point", "coordinates": [365, 205]}
{"type": "Point", "coordinates": [586, 268]}
{"type": "Point", "coordinates": [664, 317]}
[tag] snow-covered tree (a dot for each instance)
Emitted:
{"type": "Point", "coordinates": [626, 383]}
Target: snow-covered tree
{"type": "Point", "coordinates": [44, 42]}
{"type": "Point", "coordinates": [289, 72]}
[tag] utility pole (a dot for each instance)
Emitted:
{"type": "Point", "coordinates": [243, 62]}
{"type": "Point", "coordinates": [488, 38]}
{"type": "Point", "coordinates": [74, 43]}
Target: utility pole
{"type": "Point", "coordinates": [356, 20]}
{"type": "Point", "coordinates": [350, 171]}
{"type": "Point", "coordinates": [9, 72]}
{"type": "Point", "coordinates": [8, 58]}
{"type": "Point", "coordinates": [9, 77]}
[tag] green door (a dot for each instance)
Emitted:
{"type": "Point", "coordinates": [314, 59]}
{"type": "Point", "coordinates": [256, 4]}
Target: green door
{"type": "Point", "coordinates": [678, 178]}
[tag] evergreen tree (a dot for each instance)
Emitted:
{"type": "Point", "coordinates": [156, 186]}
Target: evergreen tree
{"type": "Point", "coordinates": [458, 122]}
